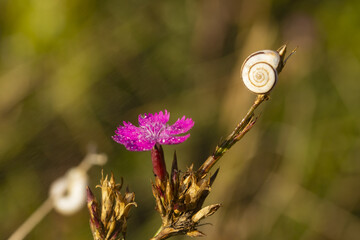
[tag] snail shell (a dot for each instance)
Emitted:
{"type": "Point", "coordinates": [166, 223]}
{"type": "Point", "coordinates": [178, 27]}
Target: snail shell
{"type": "Point", "coordinates": [67, 193]}
{"type": "Point", "coordinates": [259, 71]}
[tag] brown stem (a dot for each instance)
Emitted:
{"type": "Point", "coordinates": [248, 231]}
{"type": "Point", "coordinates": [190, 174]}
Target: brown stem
{"type": "Point", "coordinates": [241, 129]}
{"type": "Point", "coordinates": [164, 233]}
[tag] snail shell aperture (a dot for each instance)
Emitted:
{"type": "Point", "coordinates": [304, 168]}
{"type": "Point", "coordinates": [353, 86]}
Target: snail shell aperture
{"type": "Point", "coordinates": [259, 71]}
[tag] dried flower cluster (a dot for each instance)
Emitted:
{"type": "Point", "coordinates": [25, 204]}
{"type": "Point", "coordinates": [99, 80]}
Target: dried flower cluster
{"type": "Point", "coordinates": [109, 221]}
{"type": "Point", "coordinates": [179, 201]}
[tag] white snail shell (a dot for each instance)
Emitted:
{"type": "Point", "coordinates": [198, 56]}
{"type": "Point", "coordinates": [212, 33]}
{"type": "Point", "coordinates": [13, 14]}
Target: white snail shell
{"type": "Point", "coordinates": [259, 71]}
{"type": "Point", "coordinates": [68, 193]}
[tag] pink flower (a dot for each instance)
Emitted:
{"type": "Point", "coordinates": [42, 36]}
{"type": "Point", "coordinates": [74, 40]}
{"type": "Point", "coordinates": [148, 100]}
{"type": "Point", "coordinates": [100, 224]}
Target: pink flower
{"type": "Point", "coordinates": [153, 128]}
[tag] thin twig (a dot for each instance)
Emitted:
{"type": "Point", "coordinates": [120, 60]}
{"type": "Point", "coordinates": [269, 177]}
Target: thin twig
{"type": "Point", "coordinates": [241, 129]}
{"type": "Point", "coordinates": [33, 220]}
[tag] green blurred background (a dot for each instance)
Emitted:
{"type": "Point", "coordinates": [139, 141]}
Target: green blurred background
{"type": "Point", "coordinates": [72, 71]}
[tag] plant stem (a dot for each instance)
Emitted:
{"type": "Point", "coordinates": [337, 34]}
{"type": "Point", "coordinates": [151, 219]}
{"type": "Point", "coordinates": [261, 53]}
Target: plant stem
{"type": "Point", "coordinates": [240, 130]}
{"type": "Point", "coordinates": [164, 233]}
{"type": "Point", "coordinates": [157, 232]}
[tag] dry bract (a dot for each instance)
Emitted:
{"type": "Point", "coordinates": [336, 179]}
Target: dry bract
{"type": "Point", "coordinates": [179, 201]}
{"type": "Point", "coordinates": [111, 221]}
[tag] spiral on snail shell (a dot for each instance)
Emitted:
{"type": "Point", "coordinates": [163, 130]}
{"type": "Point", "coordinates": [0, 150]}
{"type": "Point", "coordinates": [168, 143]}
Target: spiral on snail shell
{"type": "Point", "coordinates": [260, 71]}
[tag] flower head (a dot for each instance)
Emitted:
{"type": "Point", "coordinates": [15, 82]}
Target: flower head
{"type": "Point", "coordinates": [153, 128]}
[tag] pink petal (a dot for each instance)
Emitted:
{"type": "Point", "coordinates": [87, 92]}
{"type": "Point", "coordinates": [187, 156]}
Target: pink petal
{"type": "Point", "coordinates": [173, 139]}
{"type": "Point", "coordinates": [139, 145]}
{"type": "Point", "coordinates": [150, 119]}
{"type": "Point", "coordinates": [180, 126]}
{"type": "Point", "coordinates": [152, 128]}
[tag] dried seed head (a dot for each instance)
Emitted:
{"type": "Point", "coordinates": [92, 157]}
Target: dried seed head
{"type": "Point", "coordinates": [180, 203]}
{"type": "Point", "coordinates": [111, 221]}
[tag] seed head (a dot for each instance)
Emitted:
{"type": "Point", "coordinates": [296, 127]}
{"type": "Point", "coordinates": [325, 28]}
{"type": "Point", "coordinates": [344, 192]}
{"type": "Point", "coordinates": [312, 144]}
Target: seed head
{"type": "Point", "coordinates": [109, 221]}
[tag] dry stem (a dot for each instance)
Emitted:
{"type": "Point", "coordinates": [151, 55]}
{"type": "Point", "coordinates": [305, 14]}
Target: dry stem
{"type": "Point", "coordinates": [241, 129]}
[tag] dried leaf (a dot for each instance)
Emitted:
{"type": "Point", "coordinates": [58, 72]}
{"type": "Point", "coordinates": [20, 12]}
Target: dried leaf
{"type": "Point", "coordinates": [205, 212]}
{"type": "Point", "coordinates": [195, 233]}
